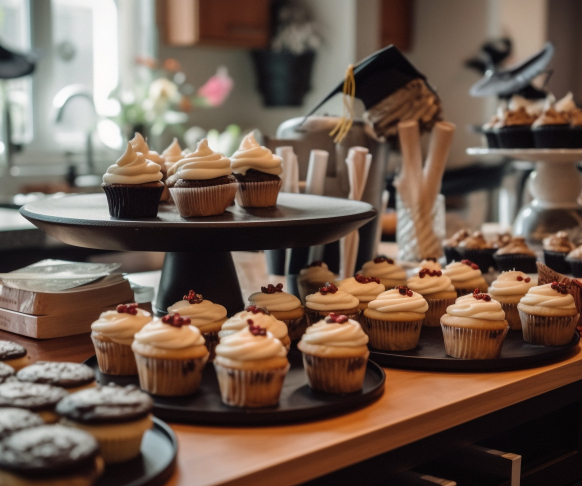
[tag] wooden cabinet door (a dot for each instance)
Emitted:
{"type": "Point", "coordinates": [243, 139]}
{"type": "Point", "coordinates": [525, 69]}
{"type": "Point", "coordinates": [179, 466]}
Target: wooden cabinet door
{"type": "Point", "coordinates": [396, 23]}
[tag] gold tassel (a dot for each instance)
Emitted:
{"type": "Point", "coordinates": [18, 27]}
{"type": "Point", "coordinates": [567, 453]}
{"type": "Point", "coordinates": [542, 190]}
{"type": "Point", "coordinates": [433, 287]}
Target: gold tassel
{"type": "Point", "coordinates": [349, 94]}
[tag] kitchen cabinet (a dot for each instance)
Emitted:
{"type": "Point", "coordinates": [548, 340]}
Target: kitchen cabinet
{"type": "Point", "coordinates": [396, 23]}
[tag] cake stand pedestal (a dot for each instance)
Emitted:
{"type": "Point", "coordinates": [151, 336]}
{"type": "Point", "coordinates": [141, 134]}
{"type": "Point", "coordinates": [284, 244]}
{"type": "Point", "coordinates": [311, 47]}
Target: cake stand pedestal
{"type": "Point", "coordinates": [198, 249]}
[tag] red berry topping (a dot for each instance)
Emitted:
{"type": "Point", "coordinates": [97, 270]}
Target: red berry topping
{"type": "Point", "coordinates": [478, 296]}
{"type": "Point", "coordinates": [382, 259]}
{"type": "Point", "coordinates": [337, 318]}
{"type": "Point", "coordinates": [271, 289]}
{"type": "Point", "coordinates": [175, 320]}
{"type": "Point", "coordinates": [256, 330]}
{"type": "Point", "coordinates": [364, 280]}
{"type": "Point", "coordinates": [127, 309]}
{"type": "Point", "coordinates": [527, 280]}
{"type": "Point", "coordinates": [317, 263]}
{"type": "Point", "coordinates": [193, 297]}
{"type": "Point", "coordinates": [256, 310]}
{"type": "Point", "coordinates": [404, 290]}
{"type": "Point", "coordinates": [431, 273]}
{"type": "Point", "coordinates": [559, 287]}
{"type": "Point", "coordinates": [474, 266]}
{"type": "Point", "coordinates": [329, 288]}
{"type": "Point", "coordinates": [519, 278]}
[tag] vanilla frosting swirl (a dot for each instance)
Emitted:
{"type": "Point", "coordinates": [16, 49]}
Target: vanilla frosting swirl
{"type": "Point", "coordinates": [240, 321]}
{"type": "Point", "coordinates": [469, 306]}
{"type": "Point", "coordinates": [121, 327]}
{"type": "Point", "coordinates": [250, 155]}
{"type": "Point", "coordinates": [331, 302]}
{"type": "Point", "coordinates": [277, 302]}
{"type": "Point", "coordinates": [507, 284]}
{"type": "Point", "coordinates": [430, 285]}
{"type": "Point", "coordinates": [173, 152]}
{"type": "Point", "coordinates": [546, 296]}
{"type": "Point", "coordinates": [317, 273]}
{"type": "Point", "coordinates": [383, 269]}
{"type": "Point", "coordinates": [203, 164]}
{"type": "Point", "coordinates": [566, 104]}
{"type": "Point", "coordinates": [132, 168]}
{"type": "Point", "coordinates": [393, 301]}
{"type": "Point", "coordinates": [140, 145]}
{"type": "Point", "coordinates": [166, 336]}
{"type": "Point", "coordinates": [365, 292]}
{"type": "Point", "coordinates": [346, 335]}
{"type": "Point", "coordinates": [244, 346]}
{"type": "Point", "coordinates": [200, 314]}
{"type": "Point", "coordinates": [459, 272]}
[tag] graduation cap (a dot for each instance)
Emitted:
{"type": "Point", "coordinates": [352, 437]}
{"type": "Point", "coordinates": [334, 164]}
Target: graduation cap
{"type": "Point", "coordinates": [392, 90]}
{"type": "Point", "coordinates": [13, 65]}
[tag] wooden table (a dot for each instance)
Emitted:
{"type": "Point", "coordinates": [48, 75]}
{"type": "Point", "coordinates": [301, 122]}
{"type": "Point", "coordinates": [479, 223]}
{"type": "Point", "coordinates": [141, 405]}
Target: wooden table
{"type": "Point", "coordinates": [415, 405]}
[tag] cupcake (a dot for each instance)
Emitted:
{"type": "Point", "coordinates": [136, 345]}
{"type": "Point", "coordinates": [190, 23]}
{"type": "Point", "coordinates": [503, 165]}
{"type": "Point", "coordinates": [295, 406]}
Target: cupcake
{"type": "Point", "coordinates": [514, 129]}
{"type": "Point", "coordinates": [203, 314]}
{"type": "Point", "coordinates": [117, 417]}
{"type": "Point", "coordinates": [552, 128]}
{"type": "Point", "coordinates": [7, 373]}
{"type": "Point", "coordinates": [205, 185]}
{"type": "Point", "coordinates": [466, 277]}
{"type": "Point", "coordinates": [438, 291]}
{"type": "Point", "coordinates": [312, 277]}
{"type": "Point", "coordinates": [508, 290]}
{"type": "Point", "coordinates": [390, 273]}
{"type": "Point", "coordinates": [330, 299]}
{"type": "Point", "coordinates": [576, 127]}
{"type": "Point", "coordinates": [50, 455]}
{"type": "Point", "coordinates": [474, 327]}
{"type": "Point", "coordinates": [36, 397]}
{"type": "Point", "coordinates": [548, 315]}
{"type": "Point", "coordinates": [516, 256]}
{"type": "Point", "coordinates": [259, 317]}
{"type": "Point", "coordinates": [394, 319]}
{"type": "Point", "coordinates": [476, 248]}
{"type": "Point", "coordinates": [501, 240]}
{"type": "Point", "coordinates": [133, 186]}
{"type": "Point", "coordinates": [112, 335]}
{"type": "Point", "coordinates": [282, 306]}
{"type": "Point", "coordinates": [489, 131]}
{"type": "Point", "coordinates": [13, 355]}
{"type": "Point", "coordinates": [72, 377]}
{"type": "Point", "coordinates": [171, 155]}
{"type": "Point", "coordinates": [574, 260]}
{"type": "Point", "coordinates": [140, 145]}
{"type": "Point", "coordinates": [257, 170]}
{"type": "Point", "coordinates": [14, 419]}
{"type": "Point", "coordinates": [429, 264]}
{"type": "Point", "coordinates": [170, 355]}
{"type": "Point", "coordinates": [251, 365]}
{"type": "Point", "coordinates": [335, 354]}
{"type": "Point", "coordinates": [556, 249]}
{"type": "Point", "coordinates": [365, 289]}
{"type": "Point", "coordinates": [450, 245]}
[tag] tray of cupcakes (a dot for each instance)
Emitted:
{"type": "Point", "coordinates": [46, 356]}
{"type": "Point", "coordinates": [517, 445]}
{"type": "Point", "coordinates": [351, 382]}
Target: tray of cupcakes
{"type": "Point", "coordinates": [57, 426]}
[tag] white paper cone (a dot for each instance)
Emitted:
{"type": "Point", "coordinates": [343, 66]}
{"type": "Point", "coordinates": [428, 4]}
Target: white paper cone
{"type": "Point", "coordinates": [290, 174]}
{"type": "Point", "coordinates": [316, 171]}
{"type": "Point", "coordinates": [349, 250]}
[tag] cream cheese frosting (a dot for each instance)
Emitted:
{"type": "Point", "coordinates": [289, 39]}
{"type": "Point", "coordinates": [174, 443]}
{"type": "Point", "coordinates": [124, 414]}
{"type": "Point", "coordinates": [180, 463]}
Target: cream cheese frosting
{"type": "Point", "coordinates": [275, 301]}
{"type": "Point", "coordinates": [328, 302]}
{"type": "Point", "coordinates": [317, 272]}
{"type": "Point", "coordinates": [364, 288]}
{"type": "Point", "coordinates": [173, 152]}
{"type": "Point", "coordinates": [201, 313]}
{"type": "Point", "coordinates": [165, 336]}
{"type": "Point", "coordinates": [548, 296]}
{"type": "Point", "coordinates": [566, 104]}
{"type": "Point", "coordinates": [430, 283]}
{"type": "Point", "coordinates": [511, 283]}
{"type": "Point", "coordinates": [245, 346]}
{"type": "Point", "coordinates": [120, 327]}
{"type": "Point", "coordinates": [203, 164]}
{"type": "Point", "coordinates": [394, 300]}
{"type": "Point", "coordinates": [140, 145]}
{"type": "Point", "coordinates": [462, 272]}
{"type": "Point", "coordinates": [243, 319]}
{"type": "Point", "coordinates": [132, 168]}
{"type": "Point", "coordinates": [250, 155]}
{"type": "Point", "coordinates": [384, 268]}
{"type": "Point", "coordinates": [346, 335]}
{"type": "Point", "coordinates": [477, 308]}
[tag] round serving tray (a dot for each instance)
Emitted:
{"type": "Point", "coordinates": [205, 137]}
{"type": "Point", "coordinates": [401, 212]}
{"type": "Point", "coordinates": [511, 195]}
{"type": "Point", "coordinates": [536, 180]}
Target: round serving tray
{"type": "Point", "coordinates": [298, 402]}
{"type": "Point", "coordinates": [153, 467]}
{"type": "Point", "coordinates": [430, 355]}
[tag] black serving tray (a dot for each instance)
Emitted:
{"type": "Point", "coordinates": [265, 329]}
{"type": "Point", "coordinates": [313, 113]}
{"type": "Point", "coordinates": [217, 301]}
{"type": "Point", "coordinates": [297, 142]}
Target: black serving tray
{"type": "Point", "coordinates": [298, 402]}
{"type": "Point", "coordinates": [153, 467]}
{"type": "Point", "coordinates": [430, 355]}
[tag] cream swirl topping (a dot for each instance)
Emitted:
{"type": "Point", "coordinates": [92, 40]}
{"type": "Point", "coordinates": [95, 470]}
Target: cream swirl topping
{"type": "Point", "coordinates": [317, 272]}
{"type": "Point", "coordinates": [365, 292]}
{"type": "Point", "coordinates": [394, 301]}
{"type": "Point", "coordinates": [203, 164]}
{"type": "Point", "coordinates": [469, 306]}
{"type": "Point", "coordinates": [566, 104]}
{"type": "Point", "coordinates": [140, 145]}
{"type": "Point", "coordinates": [430, 284]}
{"type": "Point", "coordinates": [383, 268]}
{"type": "Point", "coordinates": [277, 302]}
{"type": "Point", "coordinates": [511, 283]}
{"type": "Point", "coordinates": [245, 346]}
{"type": "Point", "coordinates": [121, 327]}
{"type": "Point", "coordinates": [200, 314]}
{"type": "Point", "coordinates": [339, 300]}
{"type": "Point", "coordinates": [241, 320]}
{"type": "Point", "coordinates": [165, 336]}
{"type": "Point", "coordinates": [250, 155]}
{"type": "Point", "coordinates": [346, 335]}
{"type": "Point", "coordinates": [132, 168]}
{"type": "Point", "coordinates": [546, 296]}
{"type": "Point", "coordinates": [462, 272]}
{"type": "Point", "coordinates": [173, 152]}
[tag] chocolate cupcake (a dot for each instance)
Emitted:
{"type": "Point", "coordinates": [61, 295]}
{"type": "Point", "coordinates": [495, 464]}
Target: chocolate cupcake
{"type": "Point", "coordinates": [13, 354]}
{"type": "Point", "coordinates": [478, 250]}
{"type": "Point", "coordinates": [52, 455]}
{"type": "Point", "coordinates": [516, 256]}
{"type": "Point", "coordinates": [6, 373]}
{"type": "Point", "coordinates": [450, 245]}
{"type": "Point", "coordinates": [552, 129]}
{"type": "Point", "coordinates": [501, 240]}
{"type": "Point", "coordinates": [556, 249]}
{"type": "Point", "coordinates": [139, 144]}
{"type": "Point", "coordinates": [576, 127]}
{"type": "Point", "coordinates": [514, 129]}
{"type": "Point", "coordinates": [490, 132]}
{"type": "Point", "coordinates": [574, 259]}
{"type": "Point", "coordinates": [70, 376]}
{"type": "Point", "coordinates": [14, 419]}
{"type": "Point", "coordinates": [36, 397]}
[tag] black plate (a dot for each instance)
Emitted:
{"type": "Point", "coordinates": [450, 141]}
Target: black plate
{"type": "Point", "coordinates": [298, 402]}
{"type": "Point", "coordinates": [430, 355]}
{"type": "Point", "coordinates": [153, 467]}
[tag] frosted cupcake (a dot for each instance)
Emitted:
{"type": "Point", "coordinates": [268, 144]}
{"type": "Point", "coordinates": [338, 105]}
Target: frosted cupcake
{"type": "Point", "coordinates": [112, 335]}
{"type": "Point", "coordinates": [330, 299]}
{"type": "Point", "coordinates": [516, 256]}
{"type": "Point", "coordinates": [251, 365]}
{"type": "Point", "coordinates": [438, 291]}
{"type": "Point", "coordinates": [466, 277]}
{"type": "Point", "coordinates": [140, 145]}
{"type": "Point", "coordinates": [548, 315]}
{"type": "Point", "coordinates": [257, 170]}
{"type": "Point", "coordinates": [450, 245]}
{"type": "Point", "coordinates": [335, 354]}
{"type": "Point", "coordinates": [474, 327]}
{"type": "Point", "coordinates": [556, 249]}
{"type": "Point", "coordinates": [133, 186]}
{"type": "Point", "coordinates": [282, 306]}
{"type": "Point", "coordinates": [205, 185]}
{"type": "Point", "coordinates": [365, 289]}
{"type": "Point", "coordinates": [171, 155]}
{"type": "Point", "coordinates": [259, 317]}
{"type": "Point", "coordinates": [428, 264]}
{"type": "Point", "coordinates": [508, 290]}
{"type": "Point", "coordinates": [390, 273]}
{"type": "Point", "coordinates": [205, 315]}
{"type": "Point", "coordinates": [394, 319]}
{"type": "Point", "coordinates": [477, 249]}
{"type": "Point", "coordinates": [170, 355]}
{"type": "Point", "coordinates": [312, 277]}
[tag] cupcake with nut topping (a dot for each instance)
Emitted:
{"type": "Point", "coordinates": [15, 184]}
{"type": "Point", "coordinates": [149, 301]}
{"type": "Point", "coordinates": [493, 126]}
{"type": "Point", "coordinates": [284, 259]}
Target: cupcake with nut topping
{"type": "Point", "coordinates": [387, 270]}
{"type": "Point", "coordinates": [516, 256]}
{"type": "Point", "coordinates": [556, 249]}
{"type": "Point", "coordinates": [450, 245]}
{"type": "Point", "coordinates": [364, 288]}
{"type": "Point", "coordinates": [508, 290]}
{"type": "Point", "coordinates": [514, 129]}
{"type": "Point", "coordinates": [466, 277]}
{"type": "Point", "coordinates": [330, 299]}
{"type": "Point", "coordinates": [437, 289]}
{"type": "Point", "coordinates": [477, 249]}
{"type": "Point", "coordinates": [312, 277]}
{"type": "Point", "coordinates": [552, 128]}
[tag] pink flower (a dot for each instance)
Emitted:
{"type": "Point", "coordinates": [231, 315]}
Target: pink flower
{"type": "Point", "coordinates": [217, 88]}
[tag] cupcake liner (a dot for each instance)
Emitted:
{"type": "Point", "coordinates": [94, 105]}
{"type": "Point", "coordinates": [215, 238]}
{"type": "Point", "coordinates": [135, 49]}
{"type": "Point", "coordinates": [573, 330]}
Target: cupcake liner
{"type": "Point", "coordinates": [452, 254]}
{"type": "Point", "coordinates": [492, 139]}
{"type": "Point", "coordinates": [466, 343]}
{"type": "Point", "coordinates": [335, 375]}
{"type": "Point", "coordinates": [482, 257]}
{"type": "Point", "coordinates": [392, 335]}
{"type": "Point", "coordinates": [436, 309]}
{"type": "Point", "coordinates": [169, 377]}
{"type": "Point", "coordinates": [203, 201]}
{"type": "Point", "coordinates": [512, 316]}
{"type": "Point", "coordinates": [522, 263]}
{"type": "Point", "coordinates": [313, 316]}
{"type": "Point", "coordinates": [250, 388]}
{"type": "Point", "coordinates": [576, 136]}
{"type": "Point", "coordinates": [211, 341]}
{"type": "Point", "coordinates": [554, 137]}
{"type": "Point", "coordinates": [133, 201]}
{"type": "Point", "coordinates": [519, 136]}
{"type": "Point", "coordinates": [549, 331]}
{"type": "Point", "coordinates": [258, 194]}
{"type": "Point", "coordinates": [576, 267]}
{"type": "Point", "coordinates": [296, 327]}
{"type": "Point", "coordinates": [556, 260]}
{"type": "Point", "coordinates": [114, 358]}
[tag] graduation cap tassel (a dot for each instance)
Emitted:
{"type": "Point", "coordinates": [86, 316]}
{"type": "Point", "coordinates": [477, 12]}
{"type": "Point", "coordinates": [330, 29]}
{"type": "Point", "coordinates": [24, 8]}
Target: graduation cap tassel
{"type": "Point", "coordinates": [349, 94]}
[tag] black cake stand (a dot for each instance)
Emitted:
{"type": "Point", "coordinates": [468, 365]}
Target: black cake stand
{"type": "Point", "coordinates": [198, 249]}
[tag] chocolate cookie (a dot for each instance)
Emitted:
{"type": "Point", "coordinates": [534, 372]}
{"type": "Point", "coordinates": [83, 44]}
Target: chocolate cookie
{"type": "Point", "coordinates": [205, 183]}
{"type": "Point", "coordinates": [15, 419]}
{"type": "Point", "coordinates": [11, 350]}
{"type": "Point", "coordinates": [65, 375]}
{"type": "Point", "coordinates": [6, 372]}
{"type": "Point", "coordinates": [32, 396]}
{"type": "Point", "coordinates": [253, 175]}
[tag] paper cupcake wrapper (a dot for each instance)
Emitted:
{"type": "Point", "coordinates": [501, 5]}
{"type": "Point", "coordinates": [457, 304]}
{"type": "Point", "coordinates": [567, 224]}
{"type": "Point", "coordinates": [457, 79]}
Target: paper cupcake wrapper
{"type": "Point", "coordinates": [315, 316]}
{"type": "Point", "coordinates": [335, 375]}
{"type": "Point", "coordinates": [250, 388]}
{"type": "Point", "coordinates": [522, 263]}
{"type": "Point", "coordinates": [135, 201]}
{"type": "Point", "coordinates": [114, 358]}
{"type": "Point", "coordinates": [465, 343]}
{"type": "Point", "coordinates": [512, 316]}
{"type": "Point", "coordinates": [258, 194]}
{"type": "Point", "coordinates": [549, 331]}
{"type": "Point", "coordinates": [296, 327]}
{"type": "Point", "coordinates": [211, 341]}
{"type": "Point", "coordinates": [203, 201]}
{"type": "Point", "coordinates": [556, 260]}
{"type": "Point", "coordinates": [169, 377]}
{"type": "Point", "coordinates": [392, 335]}
{"type": "Point", "coordinates": [436, 309]}
{"type": "Point", "coordinates": [452, 254]}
